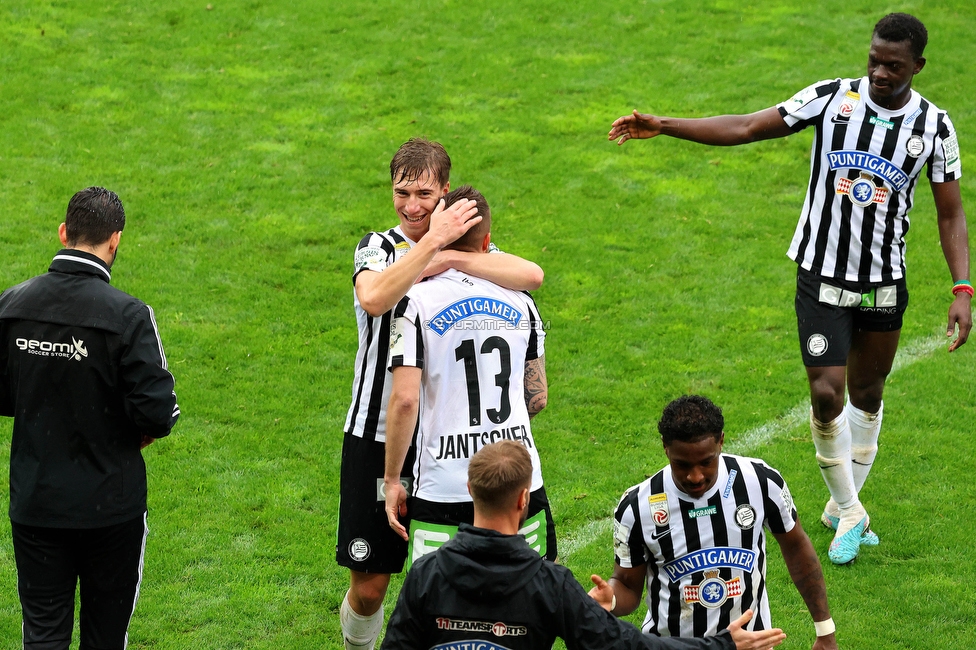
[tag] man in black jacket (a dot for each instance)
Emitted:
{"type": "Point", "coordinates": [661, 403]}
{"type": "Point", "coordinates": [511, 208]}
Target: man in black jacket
{"type": "Point", "coordinates": [487, 585]}
{"type": "Point", "coordinates": [83, 374]}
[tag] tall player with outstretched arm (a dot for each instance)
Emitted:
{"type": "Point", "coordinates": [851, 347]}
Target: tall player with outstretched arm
{"type": "Point", "coordinates": [874, 136]}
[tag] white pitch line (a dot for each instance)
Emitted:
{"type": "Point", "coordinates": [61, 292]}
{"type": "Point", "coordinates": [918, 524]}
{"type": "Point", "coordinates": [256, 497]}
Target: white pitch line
{"type": "Point", "coordinates": [751, 440]}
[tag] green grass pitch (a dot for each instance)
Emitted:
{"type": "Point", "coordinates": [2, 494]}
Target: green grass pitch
{"type": "Point", "coordinates": [250, 139]}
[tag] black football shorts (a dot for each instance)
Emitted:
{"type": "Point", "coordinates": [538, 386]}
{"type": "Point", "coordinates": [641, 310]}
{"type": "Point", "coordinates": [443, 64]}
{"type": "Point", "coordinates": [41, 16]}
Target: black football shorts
{"type": "Point", "coordinates": [829, 311]}
{"type": "Point", "coordinates": [364, 541]}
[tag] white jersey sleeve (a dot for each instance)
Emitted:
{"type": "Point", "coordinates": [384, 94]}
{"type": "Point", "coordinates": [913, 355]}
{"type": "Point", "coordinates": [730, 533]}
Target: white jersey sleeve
{"type": "Point", "coordinates": [779, 508]}
{"type": "Point", "coordinates": [374, 252]}
{"type": "Point", "coordinates": [628, 534]}
{"type": "Point", "coordinates": [406, 336]}
{"type": "Point", "coordinates": [805, 107]}
{"type": "Point", "coordinates": [944, 165]}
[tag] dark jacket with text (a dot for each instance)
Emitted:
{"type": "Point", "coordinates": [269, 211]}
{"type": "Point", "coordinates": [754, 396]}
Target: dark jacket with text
{"type": "Point", "coordinates": [84, 375]}
{"type": "Point", "coordinates": [487, 591]}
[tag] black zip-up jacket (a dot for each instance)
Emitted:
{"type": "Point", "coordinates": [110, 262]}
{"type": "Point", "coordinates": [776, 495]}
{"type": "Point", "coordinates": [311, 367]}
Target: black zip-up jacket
{"type": "Point", "coordinates": [487, 591]}
{"type": "Point", "coordinates": [83, 374]}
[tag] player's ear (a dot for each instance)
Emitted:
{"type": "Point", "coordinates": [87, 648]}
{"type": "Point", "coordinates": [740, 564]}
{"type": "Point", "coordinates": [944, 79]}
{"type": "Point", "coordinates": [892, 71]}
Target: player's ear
{"type": "Point", "coordinates": [919, 64]}
{"type": "Point", "coordinates": [63, 235]}
{"type": "Point", "coordinates": [469, 489]}
{"type": "Point", "coordinates": [486, 243]}
{"type": "Point", "coordinates": [721, 440]}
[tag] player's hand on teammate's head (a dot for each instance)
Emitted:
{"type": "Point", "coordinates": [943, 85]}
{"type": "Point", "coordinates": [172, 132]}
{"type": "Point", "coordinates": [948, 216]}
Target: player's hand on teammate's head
{"type": "Point", "coordinates": [636, 125]}
{"type": "Point", "coordinates": [760, 640]}
{"type": "Point", "coordinates": [448, 223]}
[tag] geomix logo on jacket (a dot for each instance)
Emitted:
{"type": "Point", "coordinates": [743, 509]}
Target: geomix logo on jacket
{"type": "Point", "coordinates": [48, 349]}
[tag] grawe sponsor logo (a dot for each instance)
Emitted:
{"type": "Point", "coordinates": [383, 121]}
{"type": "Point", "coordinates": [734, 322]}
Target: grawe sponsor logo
{"type": "Point", "coordinates": [75, 350]}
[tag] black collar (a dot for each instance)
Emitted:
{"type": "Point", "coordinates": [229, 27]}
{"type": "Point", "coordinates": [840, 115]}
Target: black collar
{"type": "Point", "coordinates": [72, 260]}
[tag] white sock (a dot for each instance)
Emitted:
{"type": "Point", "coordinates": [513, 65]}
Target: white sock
{"type": "Point", "coordinates": [865, 429]}
{"type": "Point", "coordinates": [832, 441]}
{"type": "Point", "coordinates": [359, 632]}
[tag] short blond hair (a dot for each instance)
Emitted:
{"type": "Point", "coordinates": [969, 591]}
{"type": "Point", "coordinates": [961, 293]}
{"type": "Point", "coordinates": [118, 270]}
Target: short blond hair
{"type": "Point", "coordinates": [497, 474]}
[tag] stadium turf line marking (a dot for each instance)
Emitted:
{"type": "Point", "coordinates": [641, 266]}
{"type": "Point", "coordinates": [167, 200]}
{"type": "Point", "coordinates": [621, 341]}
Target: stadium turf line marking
{"type": "Point", "coordinates": [751, 440]}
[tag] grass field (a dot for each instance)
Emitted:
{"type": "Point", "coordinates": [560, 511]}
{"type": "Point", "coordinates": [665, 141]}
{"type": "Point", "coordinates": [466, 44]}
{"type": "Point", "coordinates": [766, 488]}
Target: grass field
{"type": "Point", "coordinates": [250, 142]}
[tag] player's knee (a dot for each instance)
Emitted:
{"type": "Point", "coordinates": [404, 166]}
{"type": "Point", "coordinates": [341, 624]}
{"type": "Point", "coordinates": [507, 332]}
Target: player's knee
{"type": "Point", "coordinates": [367, 597]}
{"type": "Point", "coordinates": [826, 399]}
{"type": "Point", "coordinates": [867, 397]}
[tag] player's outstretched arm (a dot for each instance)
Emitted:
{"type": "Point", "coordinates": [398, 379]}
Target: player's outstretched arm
{"type": "Point", "coordinates": [401, 418]}
{"type": "Point", "coordinates": [954, 237]}
{"type": "Point", "coordinates": [760, 640]}
{"type": "Point", "coordinates": [805, 571]}
{"type": "Point", "coordinates": [379, 292]}
{"type": "Point", "coordinates": [722, 130]}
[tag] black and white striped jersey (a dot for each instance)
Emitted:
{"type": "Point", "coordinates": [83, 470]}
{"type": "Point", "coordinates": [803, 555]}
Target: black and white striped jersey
{"type": "Point", "coordinates": [472, 338]}
{"type": "Point", "coordinates": [705, 557]}
{"type": "Point", "coordinates": [865, 163]}
{"type": "Point", "coordinates": [371, 382]}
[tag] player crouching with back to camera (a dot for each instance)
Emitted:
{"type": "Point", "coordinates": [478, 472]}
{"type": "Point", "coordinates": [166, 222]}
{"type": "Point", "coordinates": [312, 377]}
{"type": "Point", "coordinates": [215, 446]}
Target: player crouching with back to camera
{"type": "Point", "coordinates": [695, 533]}
{"type": "Point", "coordinates": [487, 589]}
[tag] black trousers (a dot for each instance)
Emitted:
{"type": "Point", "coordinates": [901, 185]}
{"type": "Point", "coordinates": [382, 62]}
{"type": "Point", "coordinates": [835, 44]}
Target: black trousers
{"type": "Point", "coordinates": [50, 563]}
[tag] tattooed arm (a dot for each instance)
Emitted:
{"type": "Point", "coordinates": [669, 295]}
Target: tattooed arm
{"type": "Point", "coordinates": [536, 387]}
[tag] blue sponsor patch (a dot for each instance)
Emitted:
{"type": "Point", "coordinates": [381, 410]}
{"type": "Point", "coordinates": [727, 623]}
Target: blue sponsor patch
{"type": "Point", "coordinates": [911, 118]}
{"type": "Point", "coordinates": [473, 307]}
{"type": "Point", "coordinates": [719, 557]}
{"type": "Point", "coordinates": [728, 484]}
{"type": "Point", "coordinates": [868, 162]}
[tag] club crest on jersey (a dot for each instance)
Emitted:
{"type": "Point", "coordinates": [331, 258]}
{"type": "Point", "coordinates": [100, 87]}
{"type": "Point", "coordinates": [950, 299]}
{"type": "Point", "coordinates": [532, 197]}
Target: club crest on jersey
{"type": "Point", "coordinates": [718, 557]}
{"type": "Point", "coordinates": [862, 191]}
{"type": "Point", "coordinates": [659, 509]}
{"type": "Point", "coordinates": [915, 146]}
{"type": "Point", "coordinates": [745, 516]}
{"type": "Point", "coordinates": [712, 592]}
{"type": "Point", "coordinates": [868, 162]}
{"type": "Point", "coordinates": [456, 312]}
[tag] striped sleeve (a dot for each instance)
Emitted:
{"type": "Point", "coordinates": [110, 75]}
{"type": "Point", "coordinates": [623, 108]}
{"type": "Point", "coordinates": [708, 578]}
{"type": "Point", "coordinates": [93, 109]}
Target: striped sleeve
{"type": "Point", "coordinates": [373, 253]}
{"type": "Point", "coordinates": [805, 107]}
{"type": "Point", "coordinates": [779, 508]}
{"type": "Point", "coordinates": [945, 164]}
{"type": "Point", "coordinates": [628, 534]}
{"type": "Point", "coordinates": [537, 332]}
{"type": "Point", "coordinates": [406, 336]}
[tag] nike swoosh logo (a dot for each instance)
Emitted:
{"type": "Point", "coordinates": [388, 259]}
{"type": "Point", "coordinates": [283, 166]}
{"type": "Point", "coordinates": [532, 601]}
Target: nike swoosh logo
{"type": "Point", "coordinates": [657, 536]}
{"type": "Point", "coordinates": [836, 119]}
